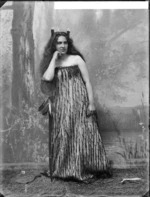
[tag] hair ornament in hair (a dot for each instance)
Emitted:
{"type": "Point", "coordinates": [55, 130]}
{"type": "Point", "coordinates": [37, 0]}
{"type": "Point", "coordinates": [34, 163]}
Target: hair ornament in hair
{"type": "Point", "coordinates": [59, 32]}
{"type": "Point", "coordinates": [52, 32]}
{"type": "Point", "coordinates": [68, 33]}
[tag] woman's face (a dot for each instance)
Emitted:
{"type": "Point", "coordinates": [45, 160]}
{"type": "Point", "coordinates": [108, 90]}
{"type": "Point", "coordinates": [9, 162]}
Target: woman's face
{"type": "Point", "coordinates": [62, 45]}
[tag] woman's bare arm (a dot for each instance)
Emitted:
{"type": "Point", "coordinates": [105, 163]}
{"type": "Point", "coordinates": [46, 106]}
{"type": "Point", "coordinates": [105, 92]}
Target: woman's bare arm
{"type": "Point", "coordinates": [85, 75]}
{"type": "Point", "coordinates": [49, 73]}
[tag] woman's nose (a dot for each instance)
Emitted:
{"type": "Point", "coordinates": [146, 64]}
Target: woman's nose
{"type": "Point", "coordinates": [62, 44]}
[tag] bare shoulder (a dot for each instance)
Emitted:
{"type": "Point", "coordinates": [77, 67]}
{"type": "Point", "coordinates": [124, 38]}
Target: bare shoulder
{"type": "Point", "coordinates": [83, 68]}
{"type": "Point", "coordinates": [82, 65]}
{"type": "Point", "coordinates": [79, 58]}
{"type": "Point", "coordinates": [79, 61]}
{"type": "Point", "coordinates": [73, 57]}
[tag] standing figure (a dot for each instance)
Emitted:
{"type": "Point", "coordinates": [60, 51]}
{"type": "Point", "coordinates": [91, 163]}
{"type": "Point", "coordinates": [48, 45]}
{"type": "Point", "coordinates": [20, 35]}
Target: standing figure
{"type": "Point", "coordinates": [77, 148]}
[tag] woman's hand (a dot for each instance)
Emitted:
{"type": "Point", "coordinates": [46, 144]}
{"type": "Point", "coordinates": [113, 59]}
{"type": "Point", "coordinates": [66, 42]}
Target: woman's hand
{"type": "Point", "coordinates": [90, 110]}
{"type": "Point", "coordinates": [56, 55]}
{"type": "Point", "coordinates": [91, 107]}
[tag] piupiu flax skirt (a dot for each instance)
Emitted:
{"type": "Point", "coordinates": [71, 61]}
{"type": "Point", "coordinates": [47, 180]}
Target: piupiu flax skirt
{"type": "Point", "coordinates": [77, 148]}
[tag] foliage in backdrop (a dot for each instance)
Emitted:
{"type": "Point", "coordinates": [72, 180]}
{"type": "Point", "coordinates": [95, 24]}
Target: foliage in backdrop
{"type": "Point", "coordinates": [115, 46]}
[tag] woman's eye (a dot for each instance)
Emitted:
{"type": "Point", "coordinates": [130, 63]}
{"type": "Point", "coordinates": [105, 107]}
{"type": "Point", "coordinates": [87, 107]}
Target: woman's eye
{"type": "Point", "coordinates": [62, 43]}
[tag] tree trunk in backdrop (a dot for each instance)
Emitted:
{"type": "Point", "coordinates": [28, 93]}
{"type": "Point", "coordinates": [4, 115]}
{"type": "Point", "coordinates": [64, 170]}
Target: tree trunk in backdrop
{"type": "Point", "coordinates": [23, 54]}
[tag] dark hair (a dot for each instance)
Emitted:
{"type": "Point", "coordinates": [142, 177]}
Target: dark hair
{"type": "Point", "coordinates": [51, 48]}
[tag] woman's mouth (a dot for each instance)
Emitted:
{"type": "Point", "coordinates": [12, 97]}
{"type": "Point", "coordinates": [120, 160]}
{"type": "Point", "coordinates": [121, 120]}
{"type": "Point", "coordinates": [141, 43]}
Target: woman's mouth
{"type": "Point", "coordinates": [63, 51]}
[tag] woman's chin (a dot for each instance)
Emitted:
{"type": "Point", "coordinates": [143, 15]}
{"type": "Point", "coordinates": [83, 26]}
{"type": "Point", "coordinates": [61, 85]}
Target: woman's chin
{"type": "Point", "coordinates": [63, 53]}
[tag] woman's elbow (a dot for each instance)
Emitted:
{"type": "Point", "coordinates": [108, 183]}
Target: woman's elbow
{"type": "Point", "coordinates": [47, 78]}
{"type": "Point", "coordinates": [88, 84]}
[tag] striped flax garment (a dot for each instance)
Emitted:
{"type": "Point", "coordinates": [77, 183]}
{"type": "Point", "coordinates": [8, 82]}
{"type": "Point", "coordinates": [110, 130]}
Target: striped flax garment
{"type": "Point", "coordinates": [77, 148]}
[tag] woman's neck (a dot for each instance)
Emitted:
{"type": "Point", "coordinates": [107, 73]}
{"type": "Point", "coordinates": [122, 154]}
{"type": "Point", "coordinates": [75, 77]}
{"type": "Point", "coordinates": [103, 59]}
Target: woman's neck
{"type": "Point", "coordinates": [64, 60]}
{"type": "Point", "coordinates": [63, 57]}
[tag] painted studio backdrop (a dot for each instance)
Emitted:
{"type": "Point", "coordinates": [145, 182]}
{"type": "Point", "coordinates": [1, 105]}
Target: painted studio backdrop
{"type": "Point", "coordinates": [115, 46]}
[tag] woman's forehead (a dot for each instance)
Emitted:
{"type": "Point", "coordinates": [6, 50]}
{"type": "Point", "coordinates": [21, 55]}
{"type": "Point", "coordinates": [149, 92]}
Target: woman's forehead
{"type": "Point", "coordinates": [61, 38]}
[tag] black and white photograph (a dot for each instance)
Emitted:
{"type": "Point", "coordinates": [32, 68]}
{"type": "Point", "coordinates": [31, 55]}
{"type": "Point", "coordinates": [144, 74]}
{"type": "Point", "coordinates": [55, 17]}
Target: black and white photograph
{"type": "Point", "coordinates": [74, 99]}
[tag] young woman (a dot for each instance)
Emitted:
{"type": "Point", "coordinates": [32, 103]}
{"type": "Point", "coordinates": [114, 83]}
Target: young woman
{"type": "Point", "coordinates": [77, 147]}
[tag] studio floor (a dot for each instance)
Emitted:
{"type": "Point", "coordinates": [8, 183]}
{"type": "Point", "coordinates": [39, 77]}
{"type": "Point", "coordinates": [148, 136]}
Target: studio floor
{"type": "Point", "coordinates": [13, 184]}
